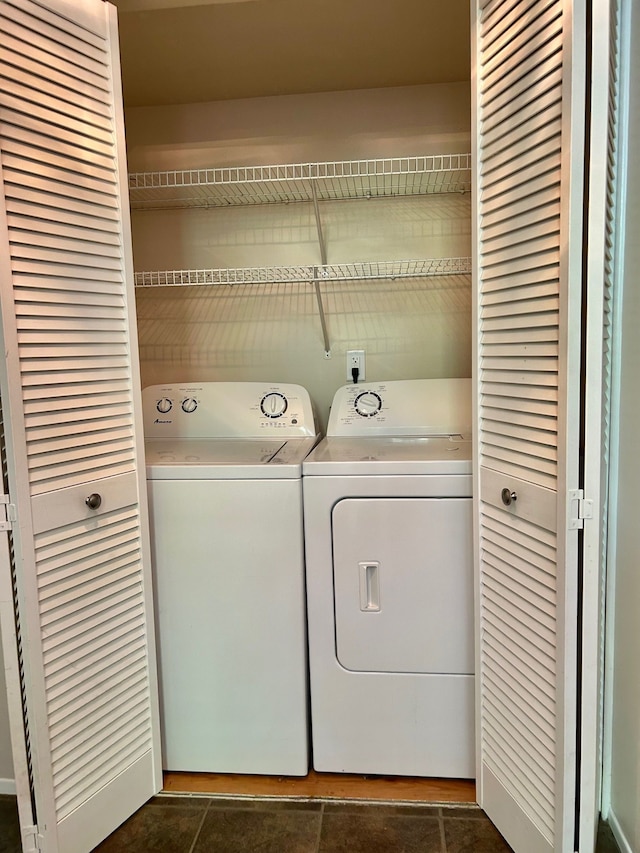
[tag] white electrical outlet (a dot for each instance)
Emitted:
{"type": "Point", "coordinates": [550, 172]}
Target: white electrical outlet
{"type": "Point", "coordinates": [355, 358]}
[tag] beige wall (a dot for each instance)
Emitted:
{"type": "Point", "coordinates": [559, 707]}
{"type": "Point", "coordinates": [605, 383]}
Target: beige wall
{"type": "Point", "coordinates": [410, 329]}
{"type": "Point", "coordinates": [625, 720]}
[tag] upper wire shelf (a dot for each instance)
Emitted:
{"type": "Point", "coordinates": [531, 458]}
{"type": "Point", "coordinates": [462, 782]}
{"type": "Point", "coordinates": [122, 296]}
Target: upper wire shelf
{"type": "Point", "coordinates": [347, 179]}
{"type": "Point", "coordinates": [361, 271]}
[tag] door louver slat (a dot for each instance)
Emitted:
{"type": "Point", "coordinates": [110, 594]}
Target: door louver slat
{"type": "Point", "coordinates": [67, 303]}
{"type": "Point", "coordinates": [56, 120]}
{"type": "Point", "coordinates": [503, 693]}
{"type": "Point", "coordinates": [532, 77]}
{"type": "Point", "coordinates": [35, 231]}
{"type": "Point", "coordinates": [69, 44]}
{"type": "Point", "coordinates": [75, 29]}
{"type": "Point", "coordinates": [16, 125]}
{"type": "Point", "coordinates": [55, 165]}
{"type": "Point", "coordinates": [87, 777]}
{"type": "Point", "coordinates": [91, 646]}
{"type": "Point", "coordinates": [530, 39]}
{"type": "Point", "coordinates": [535, 673]}
{"type": "Point", "coordinates": [105, 653]}
{"type": "Point", "coordinates": [502, 20]}
{"type": "Point", "coordinates": [113, 702]}
{"type": "Point", "coordinates": [514, 441]}
{"type": "Point", "coordinates": [60, 189]}
{"type": "Point", "coordinates": [118, 618]}
{"type": "Point", "coordinates": [26, 87]}
{"type": "Point", "coordinates": [27, 76]}
{"type": "Point", "coordinates": [504, 762]}
{"type": "Point", "coordinates": [541, 336]}
{"type": "Point", "coordinates": [544, 763]}
{"type": "Point", "coordinates": [37, 62]}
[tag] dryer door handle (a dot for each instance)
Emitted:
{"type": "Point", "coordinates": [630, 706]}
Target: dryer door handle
{"type": "Point", "coordinates": [369, 587]}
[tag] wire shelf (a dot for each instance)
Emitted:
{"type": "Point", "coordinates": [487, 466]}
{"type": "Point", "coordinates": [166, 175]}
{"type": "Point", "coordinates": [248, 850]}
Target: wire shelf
{"type": "Point", "coordinates": [364, 271]}
{"type": "Point", "coordinates": [348, 179]}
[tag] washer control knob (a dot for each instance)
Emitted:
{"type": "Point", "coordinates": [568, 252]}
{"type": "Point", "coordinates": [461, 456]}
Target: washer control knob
{"type": "Point", "coordinates": [189, 404]}
{"type": "Point", "coordinates": [165, 405]}
{"type": "Point", "coordinates": [273, 405]}
{"type": "Point", "coordinates": [508, 497]}
{"type": "Point", "coordinates": [367, 404]}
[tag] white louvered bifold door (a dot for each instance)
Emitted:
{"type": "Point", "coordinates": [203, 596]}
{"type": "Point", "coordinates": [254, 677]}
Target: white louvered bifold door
{"type": "Point", "coordinates": [528, 90]}
{"type": "Point", "coordinates": [70, 399]}
{"type": "Point", "coordinates": [602, 240]}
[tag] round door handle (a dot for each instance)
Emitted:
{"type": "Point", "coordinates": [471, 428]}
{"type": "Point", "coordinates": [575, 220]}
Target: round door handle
{"type": "Point", "coordinates": [93, 501]}
{"type": "Point", "coordinates": [508, 497]}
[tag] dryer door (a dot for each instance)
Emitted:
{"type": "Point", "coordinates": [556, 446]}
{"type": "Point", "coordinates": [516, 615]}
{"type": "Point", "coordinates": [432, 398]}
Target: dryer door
{"type": "Point", "coordinates": [403, 584]}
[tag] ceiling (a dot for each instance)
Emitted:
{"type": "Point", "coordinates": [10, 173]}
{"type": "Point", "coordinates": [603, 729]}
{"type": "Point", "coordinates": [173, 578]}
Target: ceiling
{"type": "Point", "coordinates": [186, 51]}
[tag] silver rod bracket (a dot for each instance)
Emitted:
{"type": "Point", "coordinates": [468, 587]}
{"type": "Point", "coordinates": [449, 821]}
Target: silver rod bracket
{"type": "Point", "coordinates": [316, 210]}
{"type": "Point", "coordinates": [323, 321]}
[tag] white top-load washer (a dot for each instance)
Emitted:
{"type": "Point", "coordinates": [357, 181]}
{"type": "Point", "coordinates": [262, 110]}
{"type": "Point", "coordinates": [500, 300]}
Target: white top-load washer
{"type": "Point", "coordinates": [388, 538]}
{"type": "Point", "coordinates": [224, 464]}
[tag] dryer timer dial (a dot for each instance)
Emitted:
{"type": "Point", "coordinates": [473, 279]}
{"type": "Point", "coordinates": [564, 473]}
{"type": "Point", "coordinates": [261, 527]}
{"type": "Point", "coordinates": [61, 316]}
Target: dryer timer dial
{"type": "Point", "coordinates": [367, 404]}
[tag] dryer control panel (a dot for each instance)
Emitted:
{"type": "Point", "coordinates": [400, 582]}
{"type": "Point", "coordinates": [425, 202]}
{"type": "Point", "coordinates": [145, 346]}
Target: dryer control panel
{"type": "Point", "coordinates": [426, 407]}
{"type": "Point", "coordinates": [227, 410]}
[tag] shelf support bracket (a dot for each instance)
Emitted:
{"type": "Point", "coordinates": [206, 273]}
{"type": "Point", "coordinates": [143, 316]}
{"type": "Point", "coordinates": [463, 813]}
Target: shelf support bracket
{"type": "Point", "coordinates": [316, 277]}
{"type": "Point", "coordinates": [316, 210]}
{"type": "Point", "coordinates": [323, 319]}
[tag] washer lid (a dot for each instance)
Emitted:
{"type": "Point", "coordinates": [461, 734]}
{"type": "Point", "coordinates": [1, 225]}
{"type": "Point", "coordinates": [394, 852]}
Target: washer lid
{"type": "Point", "coordinates": [390, 455]}
{"type": "Point", "coordinates": [225, 459]}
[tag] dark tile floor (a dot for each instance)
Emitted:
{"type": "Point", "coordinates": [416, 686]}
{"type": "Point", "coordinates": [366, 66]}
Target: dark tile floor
{"type": "Point", "coordinates": [214, 825]}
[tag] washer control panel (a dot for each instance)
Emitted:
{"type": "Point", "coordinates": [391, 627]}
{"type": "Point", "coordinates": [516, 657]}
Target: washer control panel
{"type": "Point", "coordinates": [227, 410]}
{"type": "Point", "coordinates": [428, 407]}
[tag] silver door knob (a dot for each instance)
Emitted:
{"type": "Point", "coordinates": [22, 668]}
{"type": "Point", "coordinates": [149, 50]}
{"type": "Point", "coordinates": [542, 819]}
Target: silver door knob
{"type": "Point", "coordinates": [93, 501]}
{"type": "Point", "coordinates": [508, 497]}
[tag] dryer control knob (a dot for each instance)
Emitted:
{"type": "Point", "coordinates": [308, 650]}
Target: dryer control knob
{"type": "Point", "coordinates": [273, 405]}
{"type": "Point", "coordinates": [367, 404]}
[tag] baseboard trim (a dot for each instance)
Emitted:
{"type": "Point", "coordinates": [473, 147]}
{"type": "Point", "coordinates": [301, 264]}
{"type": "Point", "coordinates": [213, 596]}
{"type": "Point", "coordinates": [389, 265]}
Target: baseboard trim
{"type": "Point", "coordinates": [7, 786]}
{"type": "Point", "coordinates": [618, 834]}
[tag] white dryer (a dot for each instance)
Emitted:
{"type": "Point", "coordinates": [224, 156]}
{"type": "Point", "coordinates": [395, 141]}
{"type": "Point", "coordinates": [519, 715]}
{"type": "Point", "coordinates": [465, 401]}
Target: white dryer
{"type": "Point", "coordinates": [388, 539]}
{"type": "Point", "coordinates": [224, 464]}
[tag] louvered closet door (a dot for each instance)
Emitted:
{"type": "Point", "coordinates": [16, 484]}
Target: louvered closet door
{"type": "Point", "coordinates": [70, 396]}
{"type": "Point", "coordinates": [529, 137]}
{"type": "Point", "coordinates": [602, 241]}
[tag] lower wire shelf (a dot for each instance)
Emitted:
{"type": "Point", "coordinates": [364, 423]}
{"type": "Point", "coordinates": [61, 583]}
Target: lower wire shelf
{"type": "Point", "coordinates": [359, 271]}
{"type": "Point", "coordinates": [313, 275]}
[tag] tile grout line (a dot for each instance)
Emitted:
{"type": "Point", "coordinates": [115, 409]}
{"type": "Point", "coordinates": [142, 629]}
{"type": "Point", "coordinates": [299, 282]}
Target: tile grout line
{"type": "Point", "coordinates": [443, 839]}
{"type": "Point", "coordinates": [199, 829]}
{"type": "Point", "coordinates": [319, 836]}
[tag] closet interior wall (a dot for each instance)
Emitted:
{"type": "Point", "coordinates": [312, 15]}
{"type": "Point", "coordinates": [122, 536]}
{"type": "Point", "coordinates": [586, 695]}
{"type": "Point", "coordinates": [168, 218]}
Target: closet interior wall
{"type": "Point", "coordinates": [271, 332]}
